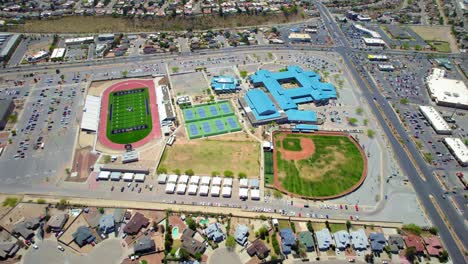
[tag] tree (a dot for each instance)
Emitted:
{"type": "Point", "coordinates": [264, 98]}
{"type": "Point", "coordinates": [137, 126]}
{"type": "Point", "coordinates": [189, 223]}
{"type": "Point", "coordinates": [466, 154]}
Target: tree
{"type": "Point", "coordinates": [412, 228]}
{"type": "Point", "coordinates": [310, 227]}
{"type": "Point", "coordinates": [162, 170]}
{"type": "Point", "coordinates": [243, 74]}
{"type": "Point", "coordinates": [189, 172]}
{"type": "Point", "coordinates": [370, 133]}
{"type": "Point", "coordinates": [41, 201]}
{"type": "Point", "coordinates": [348, 225]}
{"type": "Point", "coordinates": [242, 175]}
{"type": "Point", "coordinates": [228, 174]}
{"type": "Point", "coordinates": [175, 69]}
{"type": "Point", "coordinates": [327, 224]}
{"type": "Point", "coordinates": [191, 223]}
{"type": "Point", "coordinates": [369, 258]}
{"type": "Point", "coordinates": [263, 232]}
{"type": "Point", "coordinates": [101, 210]}
{"type": "Point", "coordinates": [214, 173]}
{"type": "Point", "coordinates": [352, 121]}
{"type": "Point", "coordinates": [62, 77]}
{"type": "Point", "coordinates": [443, 257]}
{"type": "Point", "coordinates": [62, 204]}
{"type": "Point", "coordinates": [107, 158]}
{"type": "Point", "coordinates": [177, 171]}
{"type": "Point", "coordinates": [275, 244]}
{"type": "Point", "coordinates": [293, 227]}
{"type": "Point", "coordinates": [230, 242]}
{"type": "Point", "coordinates": [433, 230]}
{"type": "Point", "coordinates": [365, 122]}
{"type": "Point", "coordinates": [155, 227]}
{"type": "Point", "coordinates": [410, 254]}
{"type": "Point", "coordinates": [359, 111]}
{"type": "Point", "coordinates": [183, 254]}
{"type": "Point", "coordinates": [404, 101]}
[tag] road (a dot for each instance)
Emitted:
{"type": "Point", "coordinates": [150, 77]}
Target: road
{"type": "Point", "coordinates": [423, 188]}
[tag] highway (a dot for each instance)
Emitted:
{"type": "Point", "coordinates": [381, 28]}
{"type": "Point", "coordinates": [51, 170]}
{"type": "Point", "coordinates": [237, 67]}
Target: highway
{"type": "Point", "coordinates": [423, 188]}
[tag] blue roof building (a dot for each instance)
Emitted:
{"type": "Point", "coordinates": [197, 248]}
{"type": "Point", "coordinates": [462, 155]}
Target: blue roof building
{"type": "Point", "coordinates": [241, 234]}
{"type": "Point", "coordinates": [83, 236]}
{"type": "Point", "coordinates": [359, 240]}
{"type": "Point", "coordinates": [341, 239]}
{"type": "Point", "coordinates": [287, 240]}
{"type": "Point", "coordinates": [107, 224]}
{"type": "Point", "coordinates": [324, 239]}
{"type": "Point", "coordinates": [224, 84]}
{"type": "Point", "coordinates": [214, 232]}
{"type": "Point", "coordinates": [284, 106]}
{"type": "Point", "coordinates": [377, 241]}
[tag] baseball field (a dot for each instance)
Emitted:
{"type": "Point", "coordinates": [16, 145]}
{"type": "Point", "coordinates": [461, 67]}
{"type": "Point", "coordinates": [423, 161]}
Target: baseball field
{"type": "Point", "coordinates": [316, 165]}
{"type": "Point", "coordinates": [129, 116]}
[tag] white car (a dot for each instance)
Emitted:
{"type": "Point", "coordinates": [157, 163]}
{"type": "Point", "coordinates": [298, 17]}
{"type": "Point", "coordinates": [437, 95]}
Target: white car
{"type": "Point", "coordinates": [60, 248]}
{"type": "Point", "coordinates": [35, 246]}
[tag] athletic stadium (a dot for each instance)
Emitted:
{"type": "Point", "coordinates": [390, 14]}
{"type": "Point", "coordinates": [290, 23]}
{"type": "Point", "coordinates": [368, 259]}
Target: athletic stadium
{"type": "Point", "coordinates": [210, 119]}
{"type": "Point", "coordinates": [276, 96]}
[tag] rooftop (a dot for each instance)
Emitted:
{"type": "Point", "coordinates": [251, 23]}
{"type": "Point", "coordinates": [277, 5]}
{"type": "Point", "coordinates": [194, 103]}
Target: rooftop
{"type": "Point", "coordinates": [447, 91]}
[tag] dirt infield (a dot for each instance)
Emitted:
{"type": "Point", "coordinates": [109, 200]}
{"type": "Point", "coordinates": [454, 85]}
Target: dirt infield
{"type": "Point", "coordinates": [125, 85]}
{"type": "Point", "coordinates": [277, 183]}
{"type": "Point", "coordinates": [308, 149]}
{"type": "Point", "coordinates": [84, 159]}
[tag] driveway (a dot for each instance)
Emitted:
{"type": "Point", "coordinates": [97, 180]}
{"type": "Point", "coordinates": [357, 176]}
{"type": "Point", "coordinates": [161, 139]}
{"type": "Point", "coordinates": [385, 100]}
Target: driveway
{"type": "Point", "coordinates": [223, 255]}
{"type": "Point", "coordinates": [48, 253]}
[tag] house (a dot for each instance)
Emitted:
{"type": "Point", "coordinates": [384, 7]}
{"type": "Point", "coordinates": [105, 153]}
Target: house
{"type": "Point", "coordinates": [433, 246]}
{"type": "Point", "coordinates": [341, 239]}
{"type": "Point", "coordinates": [324, 239]}
{"type": "Point", "coordinates": [56, 222]}
{"type": "Point", "coordinates": [144, 245]}
{"type": "Point", "coordinates": [135, 224]}
{"type": "Point", "coordinates": [307, 240]}
{"type": "Point", "coordinates": [214, 232]}
{"type": "Point", "coordinates": [377, 241]}
{"type": "Point", "coordinates": [8, 245]}
{"type": "Point", "coordinates": [359, 240]}
{"type": "Point", "coordinates": [416, 242]}
{"type": "Point", "coordinates": [259, 249]}
{"type": "Point", "coordinates": [83, 236]}
{"type": "Point", "coordinates": [107, 224]}
{"type": "Point", "coordinates": [288, 240]}
{"type": "Point", "coordinates": [190, 244]}
{"type": "Point", "coordinates": [26, 228]}
{"type": "Point", "coordinates": [242, 234]}
{"type": "Point", "coordinates": [396, 243]}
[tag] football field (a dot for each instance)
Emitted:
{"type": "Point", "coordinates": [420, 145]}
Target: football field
{"type": "Point", "coordinates": [129, 116]}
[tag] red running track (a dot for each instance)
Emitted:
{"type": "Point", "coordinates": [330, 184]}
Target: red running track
{"type": "Point", "coordinates": [128, 85]}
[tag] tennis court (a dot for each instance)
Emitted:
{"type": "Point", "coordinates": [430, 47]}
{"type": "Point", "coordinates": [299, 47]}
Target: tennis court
{"type": "Point", "coordinates": [129, 116]}
{"type": "Point", "coordinates": [210, 119]}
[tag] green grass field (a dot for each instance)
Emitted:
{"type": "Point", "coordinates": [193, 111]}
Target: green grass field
{"type": "Point", "coordinates": [129, 118]}
{"type": "Point", "coordinates": [268, 171]}
{"type": "Point", "coordinates": [293, 144]}
{"type": "Point", "coordinates": [336, 166]}
{"type": "Point", "coordinates": [440, 46]}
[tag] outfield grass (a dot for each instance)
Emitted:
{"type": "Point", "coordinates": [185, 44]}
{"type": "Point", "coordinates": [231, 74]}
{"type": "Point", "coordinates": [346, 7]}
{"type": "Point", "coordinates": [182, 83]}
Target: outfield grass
{"type": "Point", "coordinates": [205, 156]}
{"type": "Point", "coordinates": [336, 166]}
{"type": "Point", "coordinates": [129, 111]}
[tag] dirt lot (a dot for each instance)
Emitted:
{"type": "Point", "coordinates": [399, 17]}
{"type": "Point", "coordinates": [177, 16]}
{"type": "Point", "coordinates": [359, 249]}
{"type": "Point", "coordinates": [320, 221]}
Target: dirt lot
{"type": "Point", "coordinates": [81, 24]}
{"type": "Point", "coordinates": [84, 159]}
{"type": "Point", "coordinates": [436, 33]}
{"type": "Point", "coordinates": [234, 152]}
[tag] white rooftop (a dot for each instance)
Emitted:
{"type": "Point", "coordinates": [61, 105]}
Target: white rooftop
{"type": "Point", "coordinates": [255, 194]}
{"type": "Point", "coordinates": [227, 182]}
{"type": "Point", "coordinates": [194, 180]}
{"type": "Point", "coordinates": [227, 191]}
{"type": "Point", "coordinates": [204, 190]}
{"type": "Point", "coordinates": [446, 91]}
{"type": "Point", "coordinates": [459, 149]}
{"type": "Point", "coordinates": [181, 188]}
{"type": "Point", "coordinates": [215, 191]}
{"type": "Point", "coordinates": [128, 176]}
{"type": "Point", "coordinates": [104, 175]}
{"type": "Point", "coordinates": [243, 183]}
{"type": "Point", "coordinates": [170, 188]}
{"type": "Point", "coordinates": [374, 41]}
{"type": "Point", "coordinates": [205, 180]}
{"type": "Point", "coordinates": [162, 178]}
{"type": "Point", "coordinates": [216, 181]}
{"type": "Point", "coordinates": [140, 177]}
{"type": "Point", "coordinates": [172, 178]}
{"type": "Point", "coordinates": [436, 120]}
{"type": "Point", "coordinates": [243, 193]}
{"type": "Point", "coordinates": [192, 189]}
{"type": "Point", "coordinates": [183, 179]}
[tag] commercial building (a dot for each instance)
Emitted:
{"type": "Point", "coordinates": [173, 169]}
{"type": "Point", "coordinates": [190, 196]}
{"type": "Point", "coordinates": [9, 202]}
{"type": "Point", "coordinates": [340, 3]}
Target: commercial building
{"type": "Point", "coordinates": [386, 67]}
{"type": "Point", "coordinates": [299, 37]}
{"type": "Point", "coordinates": [372, 33]}
{"type": "Point", "coordinates": [38, 56]}
{"type": "Point", "coordinates": [91, 110]}
{"type": "Point", "coordinates": [8, 44]}
{"type": "Point", "coordinates": [79, 41]}
{"type": "Point", "coordinates": [373, 42]}
{"type": "Point", "coordinates": [377, 57]}
{"type": "Point", "coordinates": [224, 84]}
{"type": "Point", "coordinates": [106, 37]}
{"type": "Point", "coordinates": [447, 92]}
{"type": "Point", "coordinates": [359, 240]}
{"type": "Point", "coordinates": [6, 108]}
{"type": "Point", "coordinates": [284, 91]}
{"type": "Point", "coordinates": [57, 54]}
{"type": "Point", "coordinates": [436, 119]}
{"type": "Point", "coordinates": [377, 241]}
{"type": "Point", "coordinates": [458, 149]}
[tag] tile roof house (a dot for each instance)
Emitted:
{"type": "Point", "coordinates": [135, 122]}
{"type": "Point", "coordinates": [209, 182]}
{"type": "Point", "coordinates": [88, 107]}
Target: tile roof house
{"type": "Point", "coordinates": [8, 245]}
{"type": "Point", "coordinates": [83, 236]}
{"type": "Point", "coordinates": [288, 240]}
{"type": "Point", "coordinates": [433, 246]}
{"type": "Point", "coordinates": [341, 239]}
{"type": "Point", "coordinates": [26, 227]}
{"type": "Point", "coordinates": [377, 241]}
{"type": "Point", "coordinates": [324, 239]}
{"type": "Point", "coordinates": [190, 244]}
{"type": "Point", "coordinates": [306, 239]}
{"type": "Point", "coordinates": [56, 222]}
{"type": "Point", "coordinates": [416, 242]}
{"type": "Point", "coordinates": [359, 240]}
{"type": "Point", "coordinates": [259, 249]}
{"type": "Point", "coordinates": [137, 222]}
{"type": "Point", "coordinates": [214, 232]}
{"type": "Point", "coordinates": [396, 243]}
{"type": "Point", "coordinates": [107, 224]}
{"type": "Point", "coordinates": [242, 234]}
{"type": "Point", "coordinates": [144, 245]}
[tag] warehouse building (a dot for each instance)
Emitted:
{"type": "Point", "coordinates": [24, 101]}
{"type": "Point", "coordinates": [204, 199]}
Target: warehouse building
{"type": "Point", "coordinates": [458, 149]}
{"type": "Point", "coordinates": [436, 119]}
{"type": "Point", "coordinates": [280, 104]}
{"type": "Point", "coordinates": [79, 41]}
{"type": "Point", "coordinates": [224, 84]}
{"type": "Point", "coordinates": [299, 37]}
{"type": "Point", "coordinates": [6, 108]}
{"type": "Point", "coordinates": [38, 56]}
{"type": "Point", "coordinates": [372, 33]}
{"type": "Point", "coordinates": [8, 44]}
{"type": "Point", "coordinates": [106, 37]}
{"type": "Point", "coordinates": [447, 92]}
{"type": "Point", "coordinates": [377, 57]}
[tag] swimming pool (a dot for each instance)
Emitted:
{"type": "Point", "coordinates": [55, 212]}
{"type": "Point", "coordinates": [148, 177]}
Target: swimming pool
{"type": "Point", "coordinates": [175, 232]}
{"type": "Point", "coordinates": [204, 221]}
